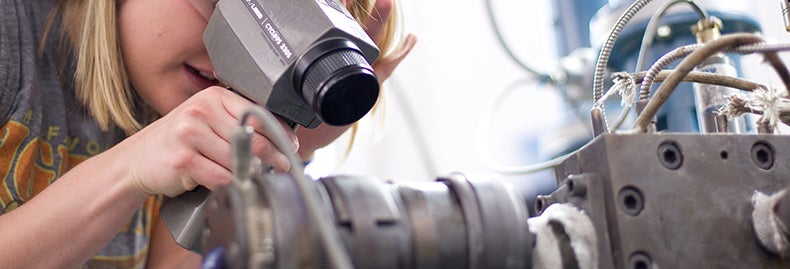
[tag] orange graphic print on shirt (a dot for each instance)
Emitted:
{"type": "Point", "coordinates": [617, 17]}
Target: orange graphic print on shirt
{"type": "Point", "coordinates": [28, 165]}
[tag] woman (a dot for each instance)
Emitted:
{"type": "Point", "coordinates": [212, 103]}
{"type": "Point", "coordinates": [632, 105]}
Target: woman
{"type": "Point", "coordinates": [78, 166]}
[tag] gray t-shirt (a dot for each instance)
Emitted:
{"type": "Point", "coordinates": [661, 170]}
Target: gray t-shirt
{"type": "Point", "coordinates": [45, 131]}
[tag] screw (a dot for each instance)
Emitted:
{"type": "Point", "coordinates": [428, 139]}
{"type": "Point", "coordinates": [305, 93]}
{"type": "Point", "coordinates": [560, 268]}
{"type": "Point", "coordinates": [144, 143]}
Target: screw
{"type": "Point", "coordinates": [669, 155]}
{"type": "Point", "coordinates": [630, 201]}
{"type": "Point", "coordinates": [763, 155]}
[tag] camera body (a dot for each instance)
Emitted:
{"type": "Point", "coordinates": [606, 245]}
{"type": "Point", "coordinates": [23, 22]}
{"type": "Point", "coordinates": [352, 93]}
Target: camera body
{"type": "Point", "coordinates": [307, 61]}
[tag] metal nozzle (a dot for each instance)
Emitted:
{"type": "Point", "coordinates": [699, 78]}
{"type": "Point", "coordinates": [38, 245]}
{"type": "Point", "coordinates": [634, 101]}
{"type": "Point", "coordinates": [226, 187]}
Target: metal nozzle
{"type": "Point", "coordinates": [598, 124]}
{"type": "Point", "coordinates": [786, 13]}
{"type": "Point", "coordinates": [707, 30]}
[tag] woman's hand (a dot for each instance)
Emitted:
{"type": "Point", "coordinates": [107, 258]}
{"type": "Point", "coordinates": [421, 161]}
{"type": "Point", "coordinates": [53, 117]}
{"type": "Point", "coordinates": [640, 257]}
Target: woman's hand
{"type": "Point", "coordinates": [78, 214]}
{"type": "Point", "coordinates": [190, 146]}
{"type": "Point", "coordinates": [375, 26]}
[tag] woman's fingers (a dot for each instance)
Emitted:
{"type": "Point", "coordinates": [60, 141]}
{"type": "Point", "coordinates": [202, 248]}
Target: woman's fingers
{"type": "Point", "coordinates": [191, 145]}
{"type": "Point", "coordinates": [262, 144]}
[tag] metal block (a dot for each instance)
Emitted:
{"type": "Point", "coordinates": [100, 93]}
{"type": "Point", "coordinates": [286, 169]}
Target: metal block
{"type": "Point", "coordinates": [678, 200]}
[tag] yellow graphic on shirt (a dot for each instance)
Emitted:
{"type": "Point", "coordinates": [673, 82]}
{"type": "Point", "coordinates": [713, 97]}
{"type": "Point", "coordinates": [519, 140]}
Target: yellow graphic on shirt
{"type": "Point", "coordinates": [18, 158]}
{"type": "Point", "coordinates": [28, 164]}
{"type": "Point", "coordinates": [14, 134]}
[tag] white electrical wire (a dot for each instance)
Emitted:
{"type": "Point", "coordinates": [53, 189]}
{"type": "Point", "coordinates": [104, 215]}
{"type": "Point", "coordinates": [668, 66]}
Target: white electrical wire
{"type": "Point", "coordinates": [483, 130]}
{"type": "Point", "coordinates": [652, 27]}
{"type": "Point", "coordinates": [554, 74]}
{"type": "Point", "coordinates": [338, 256]}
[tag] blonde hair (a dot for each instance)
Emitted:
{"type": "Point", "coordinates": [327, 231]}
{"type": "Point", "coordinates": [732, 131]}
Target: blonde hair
{"type": "Point", "coordinates": [101, 81]}
{"type": "Point", "coordinates": [362, 10]}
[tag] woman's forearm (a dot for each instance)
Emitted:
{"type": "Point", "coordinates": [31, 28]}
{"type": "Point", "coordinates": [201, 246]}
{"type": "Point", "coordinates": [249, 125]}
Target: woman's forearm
{"type": "Point", "coordinates": [71, 220]}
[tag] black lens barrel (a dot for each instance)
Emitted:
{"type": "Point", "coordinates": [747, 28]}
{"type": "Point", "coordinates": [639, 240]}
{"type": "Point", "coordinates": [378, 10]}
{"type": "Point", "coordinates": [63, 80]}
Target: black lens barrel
{"type": "Point", "coordinates": [337, 82]}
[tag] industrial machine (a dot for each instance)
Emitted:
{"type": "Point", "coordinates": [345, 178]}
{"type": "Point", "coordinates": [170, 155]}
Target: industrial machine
{"type": "Point", "coordinates": [709, 192]}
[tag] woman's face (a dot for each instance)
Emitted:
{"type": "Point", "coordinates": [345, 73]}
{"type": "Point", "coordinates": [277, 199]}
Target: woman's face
{"type": "Point", "coordinates": [163, 51]}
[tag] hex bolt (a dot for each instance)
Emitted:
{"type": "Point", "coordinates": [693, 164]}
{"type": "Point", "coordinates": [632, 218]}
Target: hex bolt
{"type": "Point", "coordinates": [669, 155]}
{"type": "Point", "coordinates": [763, 155]}
{"type": "Point", "coordinates": [630, 201]}
{"type": "Point", "coordinates": [639, 260]}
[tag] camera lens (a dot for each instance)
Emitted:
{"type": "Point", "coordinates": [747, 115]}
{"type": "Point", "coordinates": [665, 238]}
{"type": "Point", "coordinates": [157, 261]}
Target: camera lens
{"type": "Point", "coordinates": [338, 84]}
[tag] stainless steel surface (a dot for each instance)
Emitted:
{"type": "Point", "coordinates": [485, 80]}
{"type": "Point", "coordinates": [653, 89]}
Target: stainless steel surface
{"type": "Point", "coordinates": [682, 200]}
{"type": "Point", "coordinates": [454, 222]}
{"type": "Point", "coordinates": [184, 217]}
